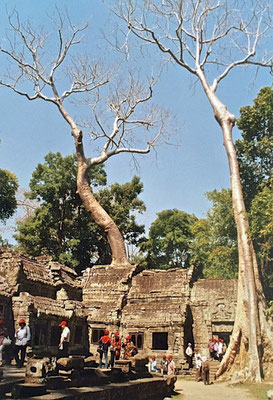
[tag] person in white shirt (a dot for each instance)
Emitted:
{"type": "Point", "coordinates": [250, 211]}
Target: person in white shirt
{"type": "Point", "coordinates": [22, 339]}
{"type": "Point", "coordinates": [64, 341]}
{"type": "Point", "coordinates": [220, 350]}
{"type": "Point", "coordinates": [189, 354]}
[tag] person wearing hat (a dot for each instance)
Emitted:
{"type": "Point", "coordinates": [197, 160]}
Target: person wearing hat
{"type": "Point", "coordinates": [115, 348]}
{"type": "Point", "coordinates": [22, 339]}
{"type": "Point", "coordinates": [104, 344]}
{"type": "Point", "coordinates": [189, 354]}
{"type": "Point", "coordinates": [171, 365]}
{"type": "Point", "coordinates": [154, 364]}
{"type": "Point", "coordinates": [164, 365]}
{"type": "Point", "coordinates": [64, 340]}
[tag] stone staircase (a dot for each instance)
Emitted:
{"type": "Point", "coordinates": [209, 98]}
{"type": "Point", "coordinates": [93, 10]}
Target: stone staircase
{"type": "Point", "coordinates": [191, 373]}
{"type": "Point", "coordinates": [213, 367]}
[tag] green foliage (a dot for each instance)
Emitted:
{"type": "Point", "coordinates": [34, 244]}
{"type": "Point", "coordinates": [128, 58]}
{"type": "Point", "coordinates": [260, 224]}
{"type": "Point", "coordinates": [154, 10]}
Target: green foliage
{"type": "Point", "coordinates": [255, 153]}
{"type": "Point", "coordinates": [8, 187]}
{"type": "Point", "coordinates": [61, 227]}
{"type": "Point", "coordinates": [255, 149]}
{"type": "Point", "coordinates": [169, 240]}
{"type": "Point", "coordinates": [214, 248]}
{"type": "Point", "coordinates": [261, 218]}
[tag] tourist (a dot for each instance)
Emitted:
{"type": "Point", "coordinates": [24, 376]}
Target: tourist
{"type": "Point", "coordinates": [215, 348]}
{"type": "Point", "coordinates": [220, 350]}
{"type": "Point", "coordinates": [171, 365]}
{"type": "Point", "coordinates": [22, 338]}
{"type": "Point", "coordinates": [189, 354]}
{"type": "Point", "coordinates": [115, 348]}
{"type": "Point", "coordinates": [104, 344]}
{"type": "Point", "coordinates": [196, 355]}
{"type": "Point", "coordinates": [123, 346]}
{"type": "Point", "coordinates": [130, 348]}
{"type": "Point", "coordinates": [211, 349]}
{"type": "Point", "coordinates": [205, 371]}
{"type": "Point", "coordinates": [198, 366]}
{"type": "Point", "coordinates": [154, 364]}
{"type": "Point", "coordinates": [64, 340]}
{"type": "Point", "coordinates": [4, 339]}
{"type": "Point", "coordinates": [164, 365]}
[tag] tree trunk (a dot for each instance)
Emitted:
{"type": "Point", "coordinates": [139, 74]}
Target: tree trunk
{"type": "Point", "coordinates": [98, 214]}
{"type": "Point", "coordinates": [251, 334]}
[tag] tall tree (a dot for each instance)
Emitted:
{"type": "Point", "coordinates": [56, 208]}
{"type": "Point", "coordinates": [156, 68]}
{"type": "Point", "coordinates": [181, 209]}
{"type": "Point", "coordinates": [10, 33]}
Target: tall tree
{"type": "Point", "coordinates": [169, 240]}
{"type": "Point", "coordinates": [255, 154]}
{"type": "Point", "coordinates": [209, 39]}
{"type": "Point", "coordinates": [8, 187]}
{"type": "Point", "coordinates": [120, 120]}
{"type": "Point", "coordinates": [261, 218]}
{"type": "Point", "coordinates": [255, 149]}
{"type": "Point", "coordinates": [214, 248]}
{"type": "Point", "coordinates": [61, 227]}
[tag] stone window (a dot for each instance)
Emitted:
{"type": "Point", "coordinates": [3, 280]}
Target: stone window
{"type": "Point", "coordinates": [160, 341]}
{"type": "Point", "coordinates": [40, 333]}
{"type": "Point", "coordinates": [78, 334]}
{"type": "Point", "coordinates": [137, 339]}
{"type": "Point", "coordinates": [96, 335]}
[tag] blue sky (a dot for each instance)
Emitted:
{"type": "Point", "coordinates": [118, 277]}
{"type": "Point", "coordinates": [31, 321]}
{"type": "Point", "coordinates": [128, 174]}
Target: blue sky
{"type": "Point", "coordinates": [174, 177]}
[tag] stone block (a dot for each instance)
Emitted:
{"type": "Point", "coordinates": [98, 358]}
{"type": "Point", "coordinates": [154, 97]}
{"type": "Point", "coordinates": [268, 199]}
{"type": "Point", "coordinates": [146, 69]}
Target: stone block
{"type": "Point", "coordinates": [117, 376]}
{"type": "Point", "coordinates": [57, 382]}
{"type": "Point", "coordinates": [37, 369]}
{"type": "Point", "coordinates": [139, 363]}
{"type": "Point", "coordinates": [90, 362]}
{"type": "Point", "coordinates": [124, 365]}
{"type": "Point", "coordinates": [23, 390]}
{"type": "Point", "coordinates": [270, 394]}
{"type": "Point", "coordinates": [69, 363]}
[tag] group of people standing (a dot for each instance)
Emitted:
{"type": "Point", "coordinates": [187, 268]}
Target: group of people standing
{"type": "Point", "coordinates": [217, 349]}
{"type": "Point", "coordinates": [166, 366]}
{"type": "Point", "coordinates": [22, 338]}
{"type": "Point", "coordinates": [120, 348]}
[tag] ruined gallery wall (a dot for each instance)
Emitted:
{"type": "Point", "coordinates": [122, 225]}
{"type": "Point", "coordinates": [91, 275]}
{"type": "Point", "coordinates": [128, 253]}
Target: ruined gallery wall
{"type": "Point", "coordinates": [156, 305]}
{"type": "Point", "coordinates": [43, 293]}
{"type": "Point", "coordinates": [150, 306]}
{"type": "Point", "coordinates": [213, 304]}
{"type": "Point", "coordinates": [105, 291]}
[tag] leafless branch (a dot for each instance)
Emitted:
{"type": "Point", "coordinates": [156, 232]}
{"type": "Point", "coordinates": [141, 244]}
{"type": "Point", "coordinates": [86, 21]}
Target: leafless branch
{"type": "Point", "coordinates": [199, 34]}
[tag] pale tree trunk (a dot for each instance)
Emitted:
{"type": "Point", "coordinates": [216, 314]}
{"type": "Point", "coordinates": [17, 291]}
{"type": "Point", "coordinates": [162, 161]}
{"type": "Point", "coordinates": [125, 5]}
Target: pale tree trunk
{"type": "Point", "coordinates": [97, 212]}
{"type": "Point", "coordinates": [251, 331]}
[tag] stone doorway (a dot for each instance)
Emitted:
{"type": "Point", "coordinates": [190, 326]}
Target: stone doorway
{"type": "Point", "coordinates": [188, 328]}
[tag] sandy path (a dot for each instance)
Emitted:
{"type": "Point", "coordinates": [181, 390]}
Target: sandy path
{"type": "Point", "coordinates": [219, 391]}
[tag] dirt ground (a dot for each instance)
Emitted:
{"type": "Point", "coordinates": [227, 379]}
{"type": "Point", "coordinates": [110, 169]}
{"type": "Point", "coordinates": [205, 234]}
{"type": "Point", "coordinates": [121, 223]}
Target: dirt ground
{"type": "Point", "coordinates": [191, 390]}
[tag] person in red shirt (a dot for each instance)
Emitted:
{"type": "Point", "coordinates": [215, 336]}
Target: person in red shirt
{"type": "Point", "coordinates": [115, 348]}
{"type": "Point", "coordinates": [104, 344]}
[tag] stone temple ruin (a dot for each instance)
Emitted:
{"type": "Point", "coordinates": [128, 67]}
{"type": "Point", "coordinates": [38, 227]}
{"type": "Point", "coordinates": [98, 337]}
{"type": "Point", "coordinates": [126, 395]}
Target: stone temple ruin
{"type": "Point", "coordinates": [161, 310]}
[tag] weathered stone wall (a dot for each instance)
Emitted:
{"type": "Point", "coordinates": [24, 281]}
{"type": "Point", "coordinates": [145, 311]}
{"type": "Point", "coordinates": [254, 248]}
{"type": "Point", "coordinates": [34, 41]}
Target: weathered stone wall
{"type": "Point", "coordinates": [160, 309]}
{"type": "Point", "coordinates": [156, 304]}
{"type": "Point", "coordinates": [213, 304]}
{"type": "Point", "coordinates": [105, 291]}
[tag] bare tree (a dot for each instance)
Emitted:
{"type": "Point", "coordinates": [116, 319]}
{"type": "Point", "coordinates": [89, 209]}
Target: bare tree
{"type": "Point", "coordinates": [32, 73]}
{"type": "Point", "coordinates": [209, 38]}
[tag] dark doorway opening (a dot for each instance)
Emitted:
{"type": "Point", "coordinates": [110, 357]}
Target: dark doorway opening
{"type": "Point", "coordinates": [188, 332]}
